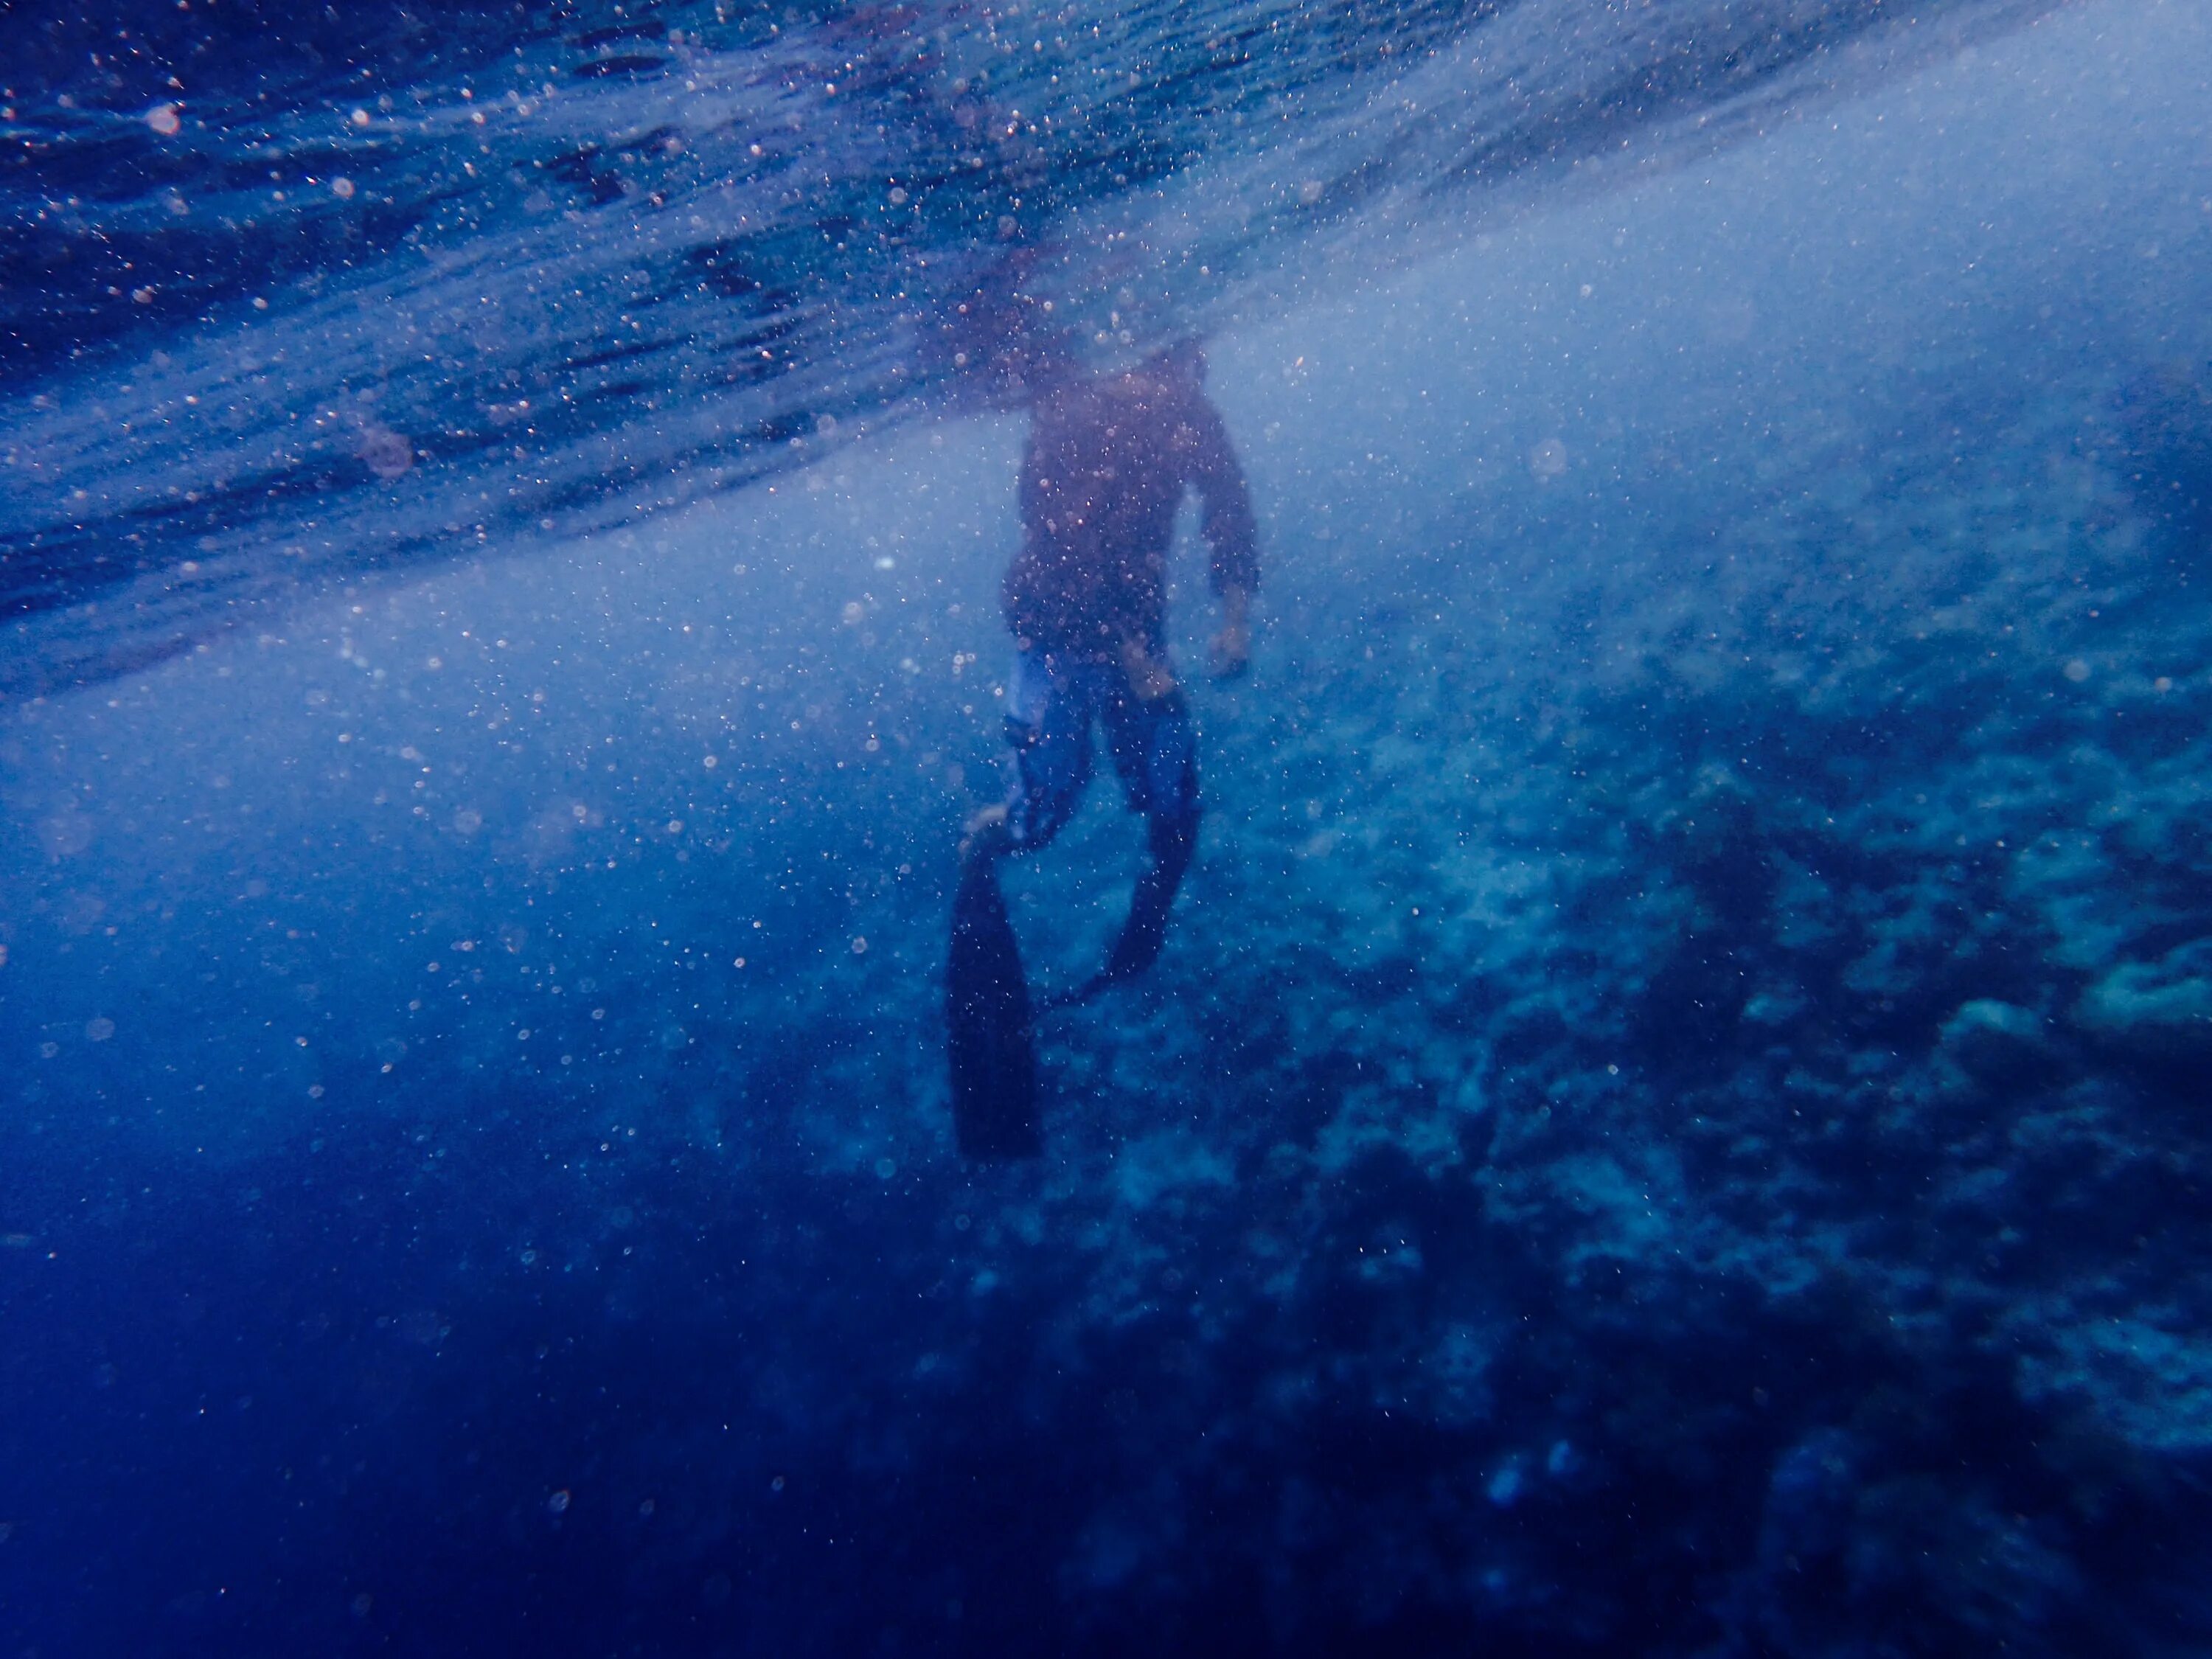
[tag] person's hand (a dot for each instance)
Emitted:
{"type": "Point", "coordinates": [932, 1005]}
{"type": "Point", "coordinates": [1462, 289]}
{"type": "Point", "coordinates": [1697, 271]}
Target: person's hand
{"type": "Point", "coordinates": [986, 834]}
{"type": "Point", "coordinates": [1232, 646]}
{"type": "Point", "coordinates": [1232, 651]}
{"type": "Point", "coordinates": [1149, 676]}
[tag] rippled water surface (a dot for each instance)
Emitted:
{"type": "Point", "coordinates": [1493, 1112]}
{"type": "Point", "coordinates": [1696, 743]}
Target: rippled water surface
{"type": "Point", "coordinates": [289, 295]}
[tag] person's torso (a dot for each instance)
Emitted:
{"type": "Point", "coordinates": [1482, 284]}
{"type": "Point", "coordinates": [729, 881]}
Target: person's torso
{"type": "Point", "coordinates": [1107, 466]}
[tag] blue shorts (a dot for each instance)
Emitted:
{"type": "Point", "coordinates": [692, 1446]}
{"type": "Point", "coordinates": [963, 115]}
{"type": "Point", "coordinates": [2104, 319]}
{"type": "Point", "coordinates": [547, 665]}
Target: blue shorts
{"type": "Point", "coordinates": [1051, 701]}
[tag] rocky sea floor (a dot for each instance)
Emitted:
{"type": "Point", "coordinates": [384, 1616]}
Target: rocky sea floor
{"type": "Point", "coordinates": [1699, 1153]}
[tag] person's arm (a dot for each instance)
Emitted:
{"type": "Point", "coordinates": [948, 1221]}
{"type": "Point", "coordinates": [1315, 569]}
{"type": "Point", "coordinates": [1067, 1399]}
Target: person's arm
{"type": "Point", "coordinates": [1227, 522]}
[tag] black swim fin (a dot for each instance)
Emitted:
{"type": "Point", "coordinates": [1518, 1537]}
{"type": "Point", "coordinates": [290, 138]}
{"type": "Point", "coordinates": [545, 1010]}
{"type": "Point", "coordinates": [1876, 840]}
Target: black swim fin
{"type": "Point", "coordinates": [1146, 930]}
{"type": "Point", "coordinates": [986, 1017]}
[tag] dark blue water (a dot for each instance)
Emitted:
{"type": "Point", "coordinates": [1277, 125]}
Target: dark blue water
{"type": "Point", "coordinates": [1672, 1117]}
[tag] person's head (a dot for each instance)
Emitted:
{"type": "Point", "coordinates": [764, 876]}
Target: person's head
{"type": "Point", "coordinates": [1035, 361]}
{"type": "Point", "coordinates": [1003, 341]}
{"type": "Point", "coordinates": [1185, 361]}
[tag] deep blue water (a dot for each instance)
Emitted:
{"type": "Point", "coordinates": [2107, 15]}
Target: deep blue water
{"type": "Point", "coordinates": [1671, 1121]}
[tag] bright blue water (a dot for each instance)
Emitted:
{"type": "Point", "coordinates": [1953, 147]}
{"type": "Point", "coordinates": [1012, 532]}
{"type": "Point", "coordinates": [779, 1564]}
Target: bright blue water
{"type": "Point", "coordinates": [1671, 1119]}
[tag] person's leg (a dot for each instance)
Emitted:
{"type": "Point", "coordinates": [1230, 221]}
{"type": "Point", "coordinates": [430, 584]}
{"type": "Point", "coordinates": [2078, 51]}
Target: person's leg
{"type": "Point", "coordinates": [1157, 756]}
{"type": "Point", "coordinates": [987, 1010]}
{"type": "Point", "coordinates": [1049, 715]}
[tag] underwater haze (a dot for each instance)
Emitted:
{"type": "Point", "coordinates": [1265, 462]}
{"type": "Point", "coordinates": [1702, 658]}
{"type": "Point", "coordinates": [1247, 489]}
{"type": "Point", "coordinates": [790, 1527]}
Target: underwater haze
{"type": "Point", "coordinates": [1673, 1116]}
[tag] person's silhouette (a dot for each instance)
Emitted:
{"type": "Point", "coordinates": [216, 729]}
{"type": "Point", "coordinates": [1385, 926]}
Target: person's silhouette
{"type": "Point", "coordinates": [1110, 458]}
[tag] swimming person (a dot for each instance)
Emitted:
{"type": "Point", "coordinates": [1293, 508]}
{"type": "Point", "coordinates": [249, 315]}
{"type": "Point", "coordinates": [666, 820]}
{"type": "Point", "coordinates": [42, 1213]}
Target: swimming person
{"type": "Point", "coordinates": [1108, 461]}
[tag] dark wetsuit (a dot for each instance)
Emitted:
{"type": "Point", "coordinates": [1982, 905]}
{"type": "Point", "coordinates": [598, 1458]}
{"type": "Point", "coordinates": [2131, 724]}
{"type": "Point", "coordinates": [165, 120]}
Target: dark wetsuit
{"type": "Point", "coordinates": [1108, 463]}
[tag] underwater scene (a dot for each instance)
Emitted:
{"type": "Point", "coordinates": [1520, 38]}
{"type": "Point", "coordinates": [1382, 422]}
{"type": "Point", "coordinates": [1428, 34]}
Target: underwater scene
{"type": "Point", "coordinates": [1272, 827]}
